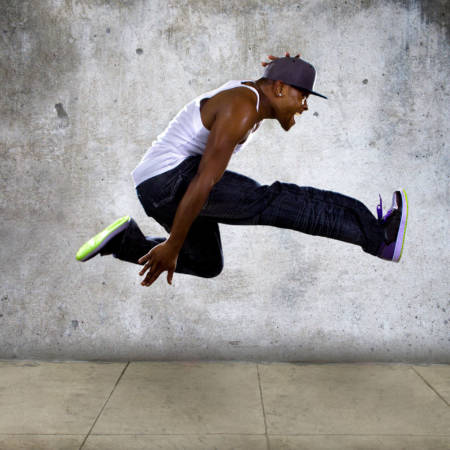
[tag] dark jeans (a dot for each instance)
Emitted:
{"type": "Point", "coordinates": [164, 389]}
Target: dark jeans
{"type": "Point", "coordinates": [239, 200]}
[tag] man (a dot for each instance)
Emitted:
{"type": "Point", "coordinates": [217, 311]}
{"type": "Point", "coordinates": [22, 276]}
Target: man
{"type": "Point", "coordinates": [182, 182]}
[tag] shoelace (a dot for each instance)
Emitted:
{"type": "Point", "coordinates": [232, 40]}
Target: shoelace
{"type": "Point", "coordinates": [380, 209]}
{"type": "Point", "coordinates": [382, 218]}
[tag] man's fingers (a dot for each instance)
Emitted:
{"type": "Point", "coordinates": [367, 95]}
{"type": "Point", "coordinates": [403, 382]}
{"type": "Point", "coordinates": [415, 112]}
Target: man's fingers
{"type": "Point", "coordinates": [155, 276]}
{"type": "Point", "coordinates": [170, 276]}
{"type": "Point", "coordinates": [147, 265]}
{"type": "Point", "coordinates": [153, 269]}
{"type": "Point", "coordinates": [145, 268]}
{"type": "Point", "coordinates": [144, 258]}
{"type": "Point", "coordinates": [151, 277]}
{"type": "Point", "coordinates": [148, 258]}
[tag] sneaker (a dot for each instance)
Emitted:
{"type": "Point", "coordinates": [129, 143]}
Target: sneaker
{"type": "Point", "coordinates": [394, 226]}
{"type": "Point", "coordinates": [382, 219]}
{"type": "Point", "coordinates": [98, 243]}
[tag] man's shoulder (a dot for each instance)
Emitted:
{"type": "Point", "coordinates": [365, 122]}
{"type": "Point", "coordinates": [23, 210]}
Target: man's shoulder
{"type": "Point", "coordinates": [238, 99]}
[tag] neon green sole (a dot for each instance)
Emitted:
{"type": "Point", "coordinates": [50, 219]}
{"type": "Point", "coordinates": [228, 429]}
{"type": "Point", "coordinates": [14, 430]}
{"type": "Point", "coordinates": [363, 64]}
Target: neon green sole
{"type": "Point", "coordinates": [89, 248]}
{"type": "Point", "coordinates": [406, 223]}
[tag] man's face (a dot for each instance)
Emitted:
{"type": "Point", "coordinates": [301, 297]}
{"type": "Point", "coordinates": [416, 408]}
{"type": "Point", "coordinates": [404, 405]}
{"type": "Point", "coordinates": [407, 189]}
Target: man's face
{"type": "Point", "coordinates": [290, 103]}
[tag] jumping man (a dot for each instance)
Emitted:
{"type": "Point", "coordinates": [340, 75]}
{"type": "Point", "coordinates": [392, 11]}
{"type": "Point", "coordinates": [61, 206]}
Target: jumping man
{"type": "Point", "coordinates": [182, 182]}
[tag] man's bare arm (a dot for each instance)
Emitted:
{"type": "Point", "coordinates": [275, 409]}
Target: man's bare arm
{"type": "Point", "coordinates": [230, 126]}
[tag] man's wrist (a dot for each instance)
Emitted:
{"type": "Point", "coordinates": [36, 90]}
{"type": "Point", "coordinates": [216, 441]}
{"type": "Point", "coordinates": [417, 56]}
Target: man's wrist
{"type": "Point", "coordinates": [174, 243]}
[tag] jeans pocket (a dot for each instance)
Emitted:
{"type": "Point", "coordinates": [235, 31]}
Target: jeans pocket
{"type": "Point", "coordinates": [167, 193]}
{"type": "Point", "coordinates": [167, 187]}
{"type": "Point", "coordinates": [159, 191]}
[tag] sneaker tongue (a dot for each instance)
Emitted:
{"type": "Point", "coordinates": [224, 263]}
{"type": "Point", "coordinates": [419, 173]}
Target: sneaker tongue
{"type": "Point", "coordinates": [392, 226]}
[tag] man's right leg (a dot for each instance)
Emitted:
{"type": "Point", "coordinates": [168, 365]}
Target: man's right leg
{"type": "Point", "coordinates": [239, 200]}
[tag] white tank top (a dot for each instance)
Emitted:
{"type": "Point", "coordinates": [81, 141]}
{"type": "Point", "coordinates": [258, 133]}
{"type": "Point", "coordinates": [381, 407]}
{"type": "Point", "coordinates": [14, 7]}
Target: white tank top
{"type": "Point", "coordinates": [184, 136]}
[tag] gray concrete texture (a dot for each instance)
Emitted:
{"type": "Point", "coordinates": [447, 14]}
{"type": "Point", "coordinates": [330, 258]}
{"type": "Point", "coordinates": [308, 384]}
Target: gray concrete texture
{"type": "Point", "coordinates": [87, 85]}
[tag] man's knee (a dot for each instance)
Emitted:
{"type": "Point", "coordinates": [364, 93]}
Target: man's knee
{"type": "Point", "coordinates": [213, 270]}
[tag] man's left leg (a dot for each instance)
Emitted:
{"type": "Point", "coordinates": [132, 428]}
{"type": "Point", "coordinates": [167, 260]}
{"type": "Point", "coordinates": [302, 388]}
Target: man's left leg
{"type": "Point", "coordinates": [201, 254]}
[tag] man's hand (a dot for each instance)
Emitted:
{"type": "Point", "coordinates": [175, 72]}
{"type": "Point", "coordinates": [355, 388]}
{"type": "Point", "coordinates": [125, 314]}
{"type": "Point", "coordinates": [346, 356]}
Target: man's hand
{"type": "Point", "coordinates": [264, 63]}
{"type": "Point", "coordinates": [160, 258]}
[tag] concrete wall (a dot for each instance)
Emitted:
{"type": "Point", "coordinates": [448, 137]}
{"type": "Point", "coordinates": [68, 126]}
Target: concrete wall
{"type": "Point", "coordinates": [87, 85]}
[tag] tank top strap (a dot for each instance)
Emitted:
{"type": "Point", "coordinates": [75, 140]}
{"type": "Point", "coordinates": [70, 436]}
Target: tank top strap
{"type": "Point", "coordinates": [229, 85]}
{"type": "Point", "coordinates": [253, 89]}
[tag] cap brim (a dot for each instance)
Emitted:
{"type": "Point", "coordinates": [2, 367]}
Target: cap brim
{"type": "Point", "coordinates": [309, 90]}
{"type": "Point", "coordinates": [316, 93]}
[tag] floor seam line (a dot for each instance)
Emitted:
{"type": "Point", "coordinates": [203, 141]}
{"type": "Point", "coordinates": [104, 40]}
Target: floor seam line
{"type": "Point", "coordinates": [271, 434]}
{"type": "Point", "coordinates": [104, 406]}
{"type": "Point", "coordinates": [429, 385]}
{"type": "Point", "coordinates": [363, 435]}
{"type": "Point", "coordinates": [231, 434]}
{"type": "Point", "coordinates": [263, 409]}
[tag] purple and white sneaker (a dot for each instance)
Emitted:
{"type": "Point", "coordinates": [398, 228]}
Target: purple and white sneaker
{"type": "Point", "coordinates": [394, 225]}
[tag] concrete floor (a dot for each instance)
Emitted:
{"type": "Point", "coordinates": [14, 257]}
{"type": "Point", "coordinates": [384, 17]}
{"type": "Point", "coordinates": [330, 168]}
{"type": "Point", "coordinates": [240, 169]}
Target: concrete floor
{"type": "Point", "coordinates": [223, 405]}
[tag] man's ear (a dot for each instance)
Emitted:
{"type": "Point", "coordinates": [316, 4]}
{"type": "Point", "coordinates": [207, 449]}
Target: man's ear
{"type": "Point", "coordinates": [278, 88]}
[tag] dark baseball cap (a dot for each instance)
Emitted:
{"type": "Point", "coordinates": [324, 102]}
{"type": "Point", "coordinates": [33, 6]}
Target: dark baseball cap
{"type": "Point", "coordinates": [293, 71]}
